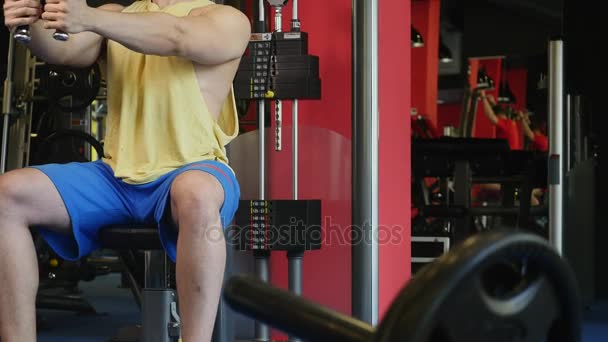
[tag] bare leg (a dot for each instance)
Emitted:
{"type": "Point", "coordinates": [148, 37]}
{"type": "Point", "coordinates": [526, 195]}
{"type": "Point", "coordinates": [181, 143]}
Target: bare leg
{"type": "Point", "coordinates": [196, 199]}
{"type": "Point", "coordinates": [27, 197]}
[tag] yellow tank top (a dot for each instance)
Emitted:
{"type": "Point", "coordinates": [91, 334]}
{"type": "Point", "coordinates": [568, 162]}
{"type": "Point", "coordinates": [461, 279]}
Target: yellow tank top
{"type": "Point", "coordinates": [157, 118]}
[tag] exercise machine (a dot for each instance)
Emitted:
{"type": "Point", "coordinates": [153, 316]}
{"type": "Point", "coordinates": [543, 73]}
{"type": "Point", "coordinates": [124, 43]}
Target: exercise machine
{"type": "Point", "coordinates": [457, 164]}
{"type": "Point", "coordinates": [470, 104]}
{"type": "Point", "coordinates": [278, 68]}
{"type": "Point", "coordinates": [17, 108]}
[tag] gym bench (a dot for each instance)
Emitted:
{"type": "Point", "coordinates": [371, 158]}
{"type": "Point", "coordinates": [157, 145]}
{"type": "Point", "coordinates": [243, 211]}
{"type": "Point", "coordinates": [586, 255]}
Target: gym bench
{"type": "Point", "coordinates": [155, 296]}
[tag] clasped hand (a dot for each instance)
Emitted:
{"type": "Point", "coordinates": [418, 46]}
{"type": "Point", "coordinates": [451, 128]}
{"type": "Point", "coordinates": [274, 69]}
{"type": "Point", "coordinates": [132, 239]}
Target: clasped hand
{"type": "Point", "coordinates": [70, 16]}
{"type": "Point", "coordinates": [523, 116]}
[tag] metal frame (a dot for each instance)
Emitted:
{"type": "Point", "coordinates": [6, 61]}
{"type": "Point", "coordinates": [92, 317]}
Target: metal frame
{"type": "Point", "coordinates": [262, 260]}
{"type": "Point", "coordinates": [443, 239]}
{"type": "Point", "coordinates": [365, 161]}
{"type": "Point", "coordinates": [18, 91]}
{"type": "Point", "coordinates": [556, 143]}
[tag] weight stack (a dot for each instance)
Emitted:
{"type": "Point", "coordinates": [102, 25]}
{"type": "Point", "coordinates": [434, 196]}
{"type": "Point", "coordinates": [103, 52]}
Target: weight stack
{"type": "Point", "coordinates": [285, 225]}
{"type": "Point", "coordinates": [278, 67]}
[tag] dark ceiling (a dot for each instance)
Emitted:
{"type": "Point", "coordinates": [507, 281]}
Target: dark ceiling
{"type": "Point", "coordinates": [517, 29]}
{"type": "Point", "coordinates": [503, 27]}
{"type": "Point", "coordinates": [510, 27]}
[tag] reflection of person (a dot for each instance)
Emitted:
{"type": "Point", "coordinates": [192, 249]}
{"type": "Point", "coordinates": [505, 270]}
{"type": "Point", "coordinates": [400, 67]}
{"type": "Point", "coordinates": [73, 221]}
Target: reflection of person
{"type": "Point", "coordinates": [534, 132]}
{"type": "Point", "coordinates": [506, 128]}
{"type": "Point", "coordinates": [171, 111]}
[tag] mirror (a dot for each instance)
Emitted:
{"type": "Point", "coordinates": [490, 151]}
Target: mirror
{"type": "Point", "coordinates": [479, 76]}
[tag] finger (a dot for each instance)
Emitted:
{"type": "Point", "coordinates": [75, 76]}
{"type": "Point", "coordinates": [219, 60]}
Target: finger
{"type": "Point", "coordinates": [21, 4]}
{"type": "Point", "coordinates": [54, 25]}
{"type": "Point", "coordinates": [52, 16]}
{"type": "Point", "coordinates": [19, 21]}
{"type": "Point", "coordinates": [53, 1]}
{"type": "Point", "coordinates": [54, 8]}
{"type": "Point", "coordinates": [22, 12]}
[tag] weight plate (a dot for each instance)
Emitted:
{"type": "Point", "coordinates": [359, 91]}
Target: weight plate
{"type": "Point", "coordinates": [495, 286]}
{"type": "Point", "coordinates": [71, 89]}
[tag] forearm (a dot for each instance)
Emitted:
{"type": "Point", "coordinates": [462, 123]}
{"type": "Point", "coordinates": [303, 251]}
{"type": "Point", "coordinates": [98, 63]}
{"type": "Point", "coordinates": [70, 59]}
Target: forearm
{"type": "Point", "coordinates": [487, 107]}
{"type": "Point", "coordinates": [81, 50]}
{"type": "Point", "coordinates": [147, 33]}
{"type": "Point", "coordinates": [488, 111]}
{"type": "Point", "coordinates": [527, 131]}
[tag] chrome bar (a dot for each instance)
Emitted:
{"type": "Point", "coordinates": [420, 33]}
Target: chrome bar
{"type": "Point", "coordinates": [556, 143]}
{"type": "Point", "coordinates": [365, 161]}
{"type": "Point", "coordinates": [7, 102]}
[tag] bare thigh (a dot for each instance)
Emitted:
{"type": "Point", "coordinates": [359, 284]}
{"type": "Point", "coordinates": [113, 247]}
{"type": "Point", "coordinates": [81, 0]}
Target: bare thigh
{"type": "Point", "coordinates": [29, 196]}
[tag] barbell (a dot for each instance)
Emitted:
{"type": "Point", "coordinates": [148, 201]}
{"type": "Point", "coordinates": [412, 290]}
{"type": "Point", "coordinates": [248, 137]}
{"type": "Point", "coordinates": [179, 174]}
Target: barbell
{"type": "Point", "coordinates": [500, 285]}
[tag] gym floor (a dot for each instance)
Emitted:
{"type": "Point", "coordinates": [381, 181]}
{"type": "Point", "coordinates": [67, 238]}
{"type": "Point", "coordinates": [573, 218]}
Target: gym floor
{"type": "Point", "coordinates": [116, 308]}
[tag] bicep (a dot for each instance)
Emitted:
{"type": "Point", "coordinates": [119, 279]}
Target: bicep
{"type": "Point", "coordinates": [215, 36]}
{"type": "Point", "coordinates": [489, 112]}
{"type": "Point", "coordinates": [501, 124]}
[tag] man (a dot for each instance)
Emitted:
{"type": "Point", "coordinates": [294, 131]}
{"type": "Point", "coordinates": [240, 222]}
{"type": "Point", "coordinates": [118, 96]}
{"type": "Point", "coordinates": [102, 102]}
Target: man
{"type": "Point", "coordinates": [539, 141]}
{"type": "Point", "coordinates": [506, 128]}
{"type": "Point", "coordinates": [170, 66]}
{"type": "Point", "coordinates": [535, 132]}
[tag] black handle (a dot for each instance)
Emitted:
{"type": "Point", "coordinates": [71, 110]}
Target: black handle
{"type": "Point", "coordinates": [22, 34]}
{"type": "Point", "coordinates": [292, 314]}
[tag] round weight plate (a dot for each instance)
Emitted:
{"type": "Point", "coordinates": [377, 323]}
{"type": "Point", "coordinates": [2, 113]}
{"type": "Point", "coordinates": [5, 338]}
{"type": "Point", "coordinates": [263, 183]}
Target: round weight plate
{"type": "Point", "coordinates": [64, 146]}
{"type": "Point", "coordinates": [495, 286]}
{"type": "Point", "coordinates": [70, 89]}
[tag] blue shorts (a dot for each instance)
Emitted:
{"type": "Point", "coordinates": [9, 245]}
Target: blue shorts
{"type": "Point", "coordinates": [94, 199]}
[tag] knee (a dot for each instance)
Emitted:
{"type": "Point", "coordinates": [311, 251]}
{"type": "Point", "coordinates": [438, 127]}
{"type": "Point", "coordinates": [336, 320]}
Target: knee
{"type": "Point", "coordinates": [9, 194]}
{"type": "Point", "coordinates": [12, 204]}
{"type": "Point", "coordinates": [196, 196]}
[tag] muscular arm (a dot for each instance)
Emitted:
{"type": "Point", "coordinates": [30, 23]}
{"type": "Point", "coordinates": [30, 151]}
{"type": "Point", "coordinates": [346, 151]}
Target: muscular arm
{"type": "Point", "coordinates": [488, 111]}
{"type": "Point", "coordinates": [209, 36]}
{"type": "Point", "coordinates": [527, 131]}
{"type": "Point", "coordinates": [81, 50]}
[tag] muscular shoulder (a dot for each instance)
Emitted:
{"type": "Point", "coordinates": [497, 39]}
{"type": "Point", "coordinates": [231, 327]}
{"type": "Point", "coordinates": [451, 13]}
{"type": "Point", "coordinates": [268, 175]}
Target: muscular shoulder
{"type": "Point", "coordinates": [222, 14]}
{"type": "Point", "coordinates": [501, 122]}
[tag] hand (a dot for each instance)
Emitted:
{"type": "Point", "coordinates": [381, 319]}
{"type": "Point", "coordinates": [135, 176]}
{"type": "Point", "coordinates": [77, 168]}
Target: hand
{"type": "Point", "coordinates": [525, 116]}
{"type": "Point", "coordinates": [21, 12]}
{"type": "Point", "coordinates": [70, 16]}
{"type": "Point", "coordinates": [482, 92]}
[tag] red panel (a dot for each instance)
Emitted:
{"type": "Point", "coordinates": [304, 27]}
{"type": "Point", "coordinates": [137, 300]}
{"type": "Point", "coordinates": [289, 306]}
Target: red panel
{"type": "Point", "coordinates": [425, 61]}
{"type": "Point", "coordinates": [448, 115]}
{"type": "Point", "coordinates": [395, 161]}
{"type": "Point", "coordinates": [473, 70]}
{"type": "Point", "coordinates": [518, 82]}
